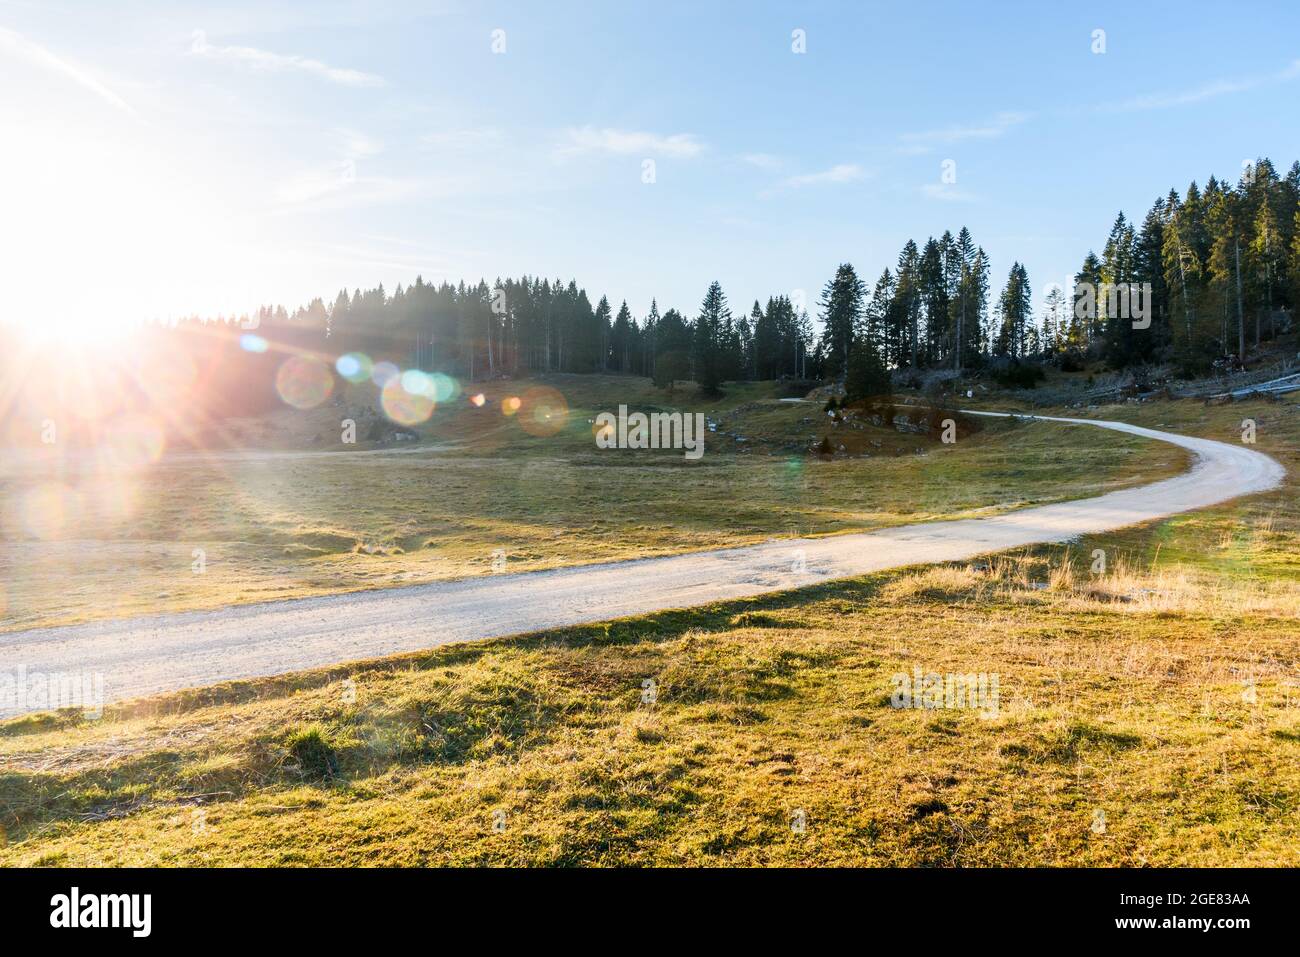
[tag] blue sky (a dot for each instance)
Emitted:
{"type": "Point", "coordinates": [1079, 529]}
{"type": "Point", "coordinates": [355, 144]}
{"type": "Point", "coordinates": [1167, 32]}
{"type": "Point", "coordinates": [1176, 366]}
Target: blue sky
{"type": "Point", "coordinates": [163, 159]}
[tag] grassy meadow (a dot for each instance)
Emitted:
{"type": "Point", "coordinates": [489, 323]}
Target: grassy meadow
{"type": "Point", "coordinates": [1148, 714]}
{"type": "Point", "coordinates": [305, 514]}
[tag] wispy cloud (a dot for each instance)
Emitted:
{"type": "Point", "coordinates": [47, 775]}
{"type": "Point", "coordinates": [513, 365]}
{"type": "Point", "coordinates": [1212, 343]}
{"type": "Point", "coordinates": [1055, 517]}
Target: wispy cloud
{"type": "Point", "coordinates": [357, 145]}
{"type": "Point", "coordinates": [1206, 91]}
{"type": "Point", "coordinates": [463, 139]}
{"type": "Point", "coordinates": [589, 140]}
{"type": "Point", "coordinates": [991, 129]}
{"type": "Point", "coordinates": [764, 161]}
{"type": "Point", "coordinates": [340, 187]}
{"type": "Point", "coordinates": [840, 173]}
{"type": "Point", "coordinates": [332, 180]}
{"type": "Point", "coordinates": [39, 56]}
{"type": "Point", "coordinates": [281, 62]}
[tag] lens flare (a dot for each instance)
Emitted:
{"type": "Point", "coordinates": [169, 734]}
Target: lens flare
{"type": "Point", "coordinates": [48, 510]}
{"type": "Point", "coordinates": [167, 379]}
{"type": "Point", "coordinates": [445, 388]}
{"type": "Point", "coordinates": [418, 383]}
{"type": "Point", "coordinates": [251, 343]}
{"type": "Point", "coordinates": [109, 499]}
{"type": "Point", "coordinates": [478, 400]}
{"type": "Point", "coordinates": [355, 366]}
{"type": "Point", "coordinates": [88, 390]}
{"type": "Point", "coordinates": [384, 372]}
{"type": "Point", "coordinates": [304, 382]}
{"type": "Point", "coordinates": [403, 407]}
{"type": "Point", "coordinates": [134, 441]}
{"type": "Point", "coordinates": [510, 405]}
{"type": "Point", "coordinates": [542, 411]}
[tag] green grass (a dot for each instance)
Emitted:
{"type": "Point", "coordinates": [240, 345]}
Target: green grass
{"type": "Point", "coordinates": [1148, 716]}
{"type": "Point", "coordinates": [481, 488]}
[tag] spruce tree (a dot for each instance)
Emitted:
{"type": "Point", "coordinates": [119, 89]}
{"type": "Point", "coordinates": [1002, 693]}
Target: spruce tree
{"type": "Point", "coordinates": [710, 326]}
{"type": "Point", "coordinates": [841, 305]}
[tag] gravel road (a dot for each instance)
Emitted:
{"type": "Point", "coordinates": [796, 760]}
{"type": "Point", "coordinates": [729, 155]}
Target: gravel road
{"type": "Point", "coordinates": [142, 656]}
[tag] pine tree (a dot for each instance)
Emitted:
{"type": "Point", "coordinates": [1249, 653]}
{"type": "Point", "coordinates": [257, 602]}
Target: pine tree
{"type": "Point", "coordinates": [1265, 254]}
{"type": "Point", "coordinates": [963, 315]}
{"type": "Point", "coordinates": [841, 305]}
{"type": "Point", "coordinates": [933, 282]}
{"type": "Point", "coordinates": [1055, 321]}
{"type": "Point", "coordinates": [710, 326]}
{"type": "Point", "coordinates": [1113, 296]}
{"type": "Point", "coordinates": [866, 376]}
{"type": "Point", "coordinates": [1183, 276]}
{"type": "Point", "coordinates": [1087, 288]}
{"type": "Point", "coordinates": [876, 316]}
{"type": "Point", "coordinates": [621, 338]}
{"type": "Point", "coordinates": [648, 340]}
{"type": "Point", "coordinates": [673, 346]}
{"type": "Point", "coordinates": [1015, 315]}
{"type": "Point", "coordinates": [906, 308]}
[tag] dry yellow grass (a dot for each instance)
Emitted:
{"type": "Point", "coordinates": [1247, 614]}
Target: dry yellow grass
{"type": "Point", "coordinates": [280, 525]}
{"type": "Point", "coordinates": [1149, 715]}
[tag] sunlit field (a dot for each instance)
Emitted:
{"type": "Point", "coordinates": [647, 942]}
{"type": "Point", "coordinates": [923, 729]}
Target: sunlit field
{"type": "Point", "coordinates": [1148, 715]}
{"type": "Point", "coordinates": [278, 506]}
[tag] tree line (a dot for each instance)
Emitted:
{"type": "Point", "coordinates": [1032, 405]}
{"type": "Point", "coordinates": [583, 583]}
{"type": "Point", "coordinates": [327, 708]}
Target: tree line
{"type": "Point", "coordinates": [1208, 276]}
{"type": "Point", "coordinates": [1223, 267]}
{"type": "Point", "coordinates": [1216, 271]}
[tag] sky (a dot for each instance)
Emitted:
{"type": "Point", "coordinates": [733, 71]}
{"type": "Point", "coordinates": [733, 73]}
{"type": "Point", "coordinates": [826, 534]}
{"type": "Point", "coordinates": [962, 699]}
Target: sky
{"type": "Point", "coordinates": [167, 159]}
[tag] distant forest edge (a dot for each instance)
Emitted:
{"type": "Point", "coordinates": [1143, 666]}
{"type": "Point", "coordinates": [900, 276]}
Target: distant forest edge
{"type": "Point", "coordinates": [1221, 264]}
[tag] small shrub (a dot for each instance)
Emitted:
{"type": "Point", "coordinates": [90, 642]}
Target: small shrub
{"type": "Point", "coordinates": [1072, 360]}
{"type": "Point", "coordinates": [1020, 375]}
{"type": "Point", "coordinates": [311, 748]}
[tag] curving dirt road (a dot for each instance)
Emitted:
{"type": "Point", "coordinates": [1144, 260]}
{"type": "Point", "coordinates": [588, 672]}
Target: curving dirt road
{"type": "Point", "coordinates": [148, 655]}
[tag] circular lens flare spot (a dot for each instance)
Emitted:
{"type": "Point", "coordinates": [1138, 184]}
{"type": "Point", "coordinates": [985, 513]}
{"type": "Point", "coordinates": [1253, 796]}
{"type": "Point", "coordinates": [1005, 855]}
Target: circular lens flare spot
{"type": "Point", "coordinates": [355, 366]}
{"type": "Point", "coordinates": [304, 382]}
{"type": "Point", "coordinates": [419, 383]}
{"type": "Point", "coordinates": [403, 407]}
{"type": "Point", "coordinates": [251, 343]}
{"type": "Point", "coordinates": [445, 388]}
{"type": "Point", "coordinates": [384, 372]}
{"type": "Point", "coordinates": [542, 411]}
{"type": "Point", "coordinates": [510, 405]}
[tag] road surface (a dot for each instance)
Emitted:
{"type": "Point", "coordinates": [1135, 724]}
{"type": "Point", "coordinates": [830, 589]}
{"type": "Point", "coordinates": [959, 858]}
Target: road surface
{"type": "Point", "coordinates": [143, 656]}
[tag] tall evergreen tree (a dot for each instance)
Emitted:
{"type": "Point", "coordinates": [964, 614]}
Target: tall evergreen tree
{"type": "Point", "coordinates": [1015, 315]}
{"type": "Point", "coordinates": [710, 327]}
{"type": "Point", "coordinates": [841, 305]}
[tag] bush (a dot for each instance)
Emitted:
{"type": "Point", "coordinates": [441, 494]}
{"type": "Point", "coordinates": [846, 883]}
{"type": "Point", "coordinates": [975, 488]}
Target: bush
{"type": "Point", "coordinates": [1019, 375]}
{"type": "Point", "coordinates": [795, 388]}
{"type": "Point", "coordinates": [867, 377]}
{"type": "Point", "coordinates": [1072, 360]}
{"type": "Point", "coordinates": [310, 747]}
